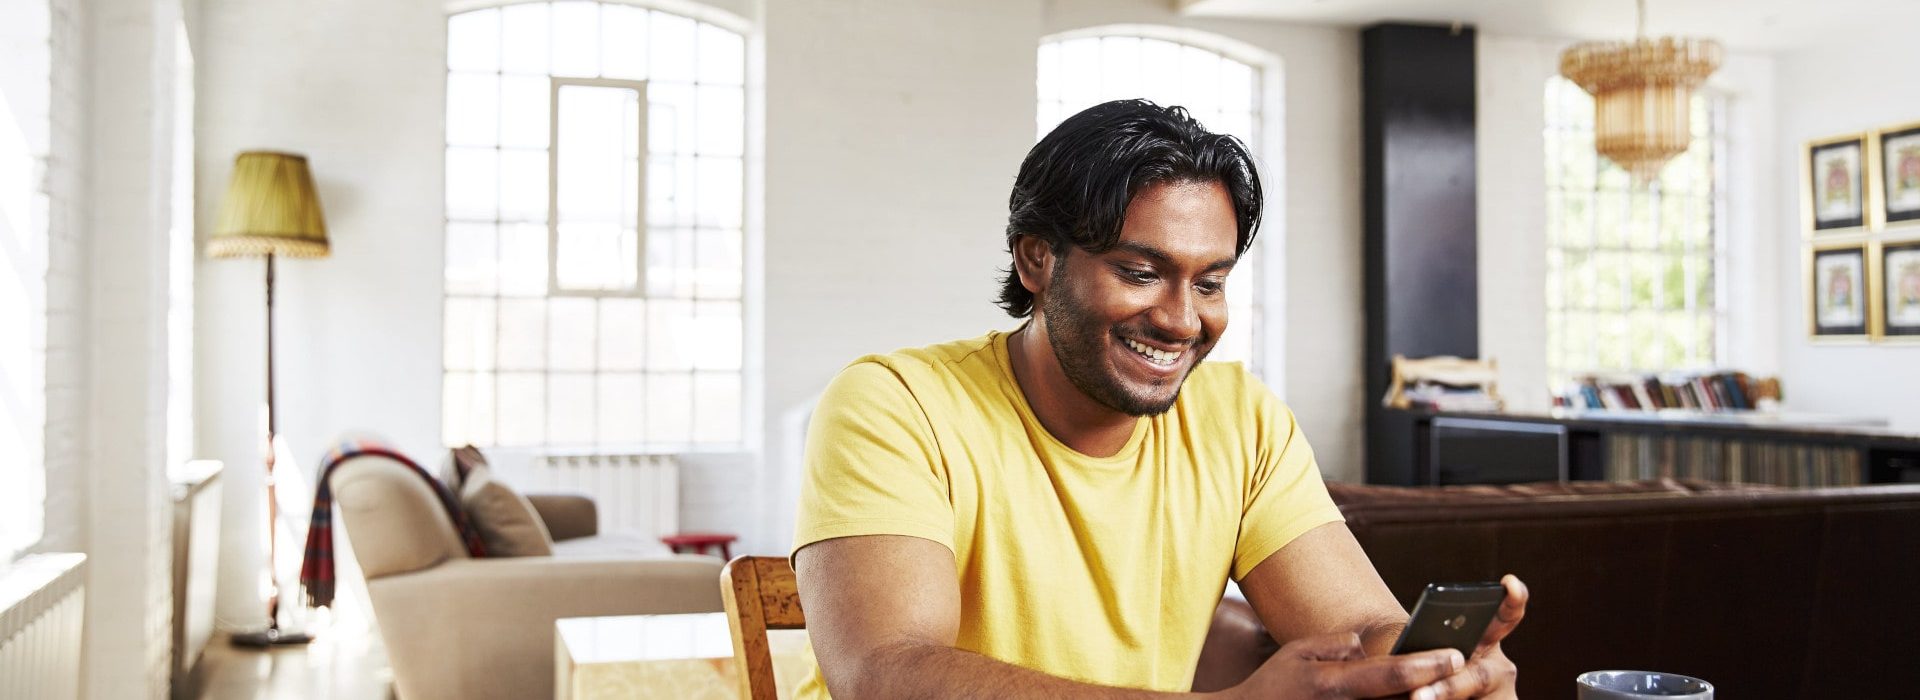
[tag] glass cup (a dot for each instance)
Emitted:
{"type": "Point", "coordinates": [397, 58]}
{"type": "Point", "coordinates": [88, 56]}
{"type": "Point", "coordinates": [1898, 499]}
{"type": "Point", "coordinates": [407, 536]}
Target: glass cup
{"type": "Point", "coordinates": [1641, 685]}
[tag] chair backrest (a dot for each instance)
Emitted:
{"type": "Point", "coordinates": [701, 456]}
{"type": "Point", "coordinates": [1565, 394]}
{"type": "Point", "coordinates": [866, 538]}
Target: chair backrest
{"type": "Point", "coordinates": [761, 595]}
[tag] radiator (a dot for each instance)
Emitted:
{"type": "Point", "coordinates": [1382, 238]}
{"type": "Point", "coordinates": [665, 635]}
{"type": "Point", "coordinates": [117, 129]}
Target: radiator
{"type": "Point", "coordinates": [633, 493]}
{"type": "Point", "coordinates": [42, 598]}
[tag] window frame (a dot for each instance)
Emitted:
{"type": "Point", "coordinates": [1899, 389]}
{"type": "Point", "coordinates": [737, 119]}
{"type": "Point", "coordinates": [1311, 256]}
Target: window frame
{"type": "Point", "coordinates": [1627, 196]}
{"type": "Point", "coordinates": [696, 298]}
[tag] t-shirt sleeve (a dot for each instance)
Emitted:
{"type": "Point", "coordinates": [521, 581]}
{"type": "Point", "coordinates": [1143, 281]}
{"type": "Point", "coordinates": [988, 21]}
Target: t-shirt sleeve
{"type": "Point", "coordinates": [1285, 495]}
{"type": "Point", "coordinates": [872, 466]}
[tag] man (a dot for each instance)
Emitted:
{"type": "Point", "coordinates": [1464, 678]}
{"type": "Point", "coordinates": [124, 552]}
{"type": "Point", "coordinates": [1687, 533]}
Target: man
{"type": "Point", "coordinates": [1046, 513]}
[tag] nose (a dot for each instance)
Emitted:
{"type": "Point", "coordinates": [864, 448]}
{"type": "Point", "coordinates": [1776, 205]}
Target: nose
{"type": "Point", "coordinates": [1177, 315]}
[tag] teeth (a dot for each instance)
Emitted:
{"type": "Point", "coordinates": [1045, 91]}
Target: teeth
{"type": "Point", "coordinates": [1159, 357]}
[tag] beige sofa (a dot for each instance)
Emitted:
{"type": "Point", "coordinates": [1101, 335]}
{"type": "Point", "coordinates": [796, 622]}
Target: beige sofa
{"type": "Point", "coordinates": [458, 627]}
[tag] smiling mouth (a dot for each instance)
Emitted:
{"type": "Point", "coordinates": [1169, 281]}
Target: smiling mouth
{"type": "Point", "coordinates": [1158, 357]}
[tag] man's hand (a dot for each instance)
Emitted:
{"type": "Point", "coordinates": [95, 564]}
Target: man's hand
{"type": "Point", "coordinates": [1488, 674]}
{"type": "Point", "coordinates": [1336, 667]}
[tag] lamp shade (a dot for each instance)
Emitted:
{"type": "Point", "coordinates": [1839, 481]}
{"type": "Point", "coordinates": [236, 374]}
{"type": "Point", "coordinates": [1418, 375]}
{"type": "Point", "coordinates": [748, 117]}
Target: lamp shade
{"type": "Point", "coordinates": [270, 209]}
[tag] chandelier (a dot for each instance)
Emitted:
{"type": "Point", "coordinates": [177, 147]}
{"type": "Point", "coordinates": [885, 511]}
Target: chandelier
{"type": "Point", "coordinates": [1642, 94]}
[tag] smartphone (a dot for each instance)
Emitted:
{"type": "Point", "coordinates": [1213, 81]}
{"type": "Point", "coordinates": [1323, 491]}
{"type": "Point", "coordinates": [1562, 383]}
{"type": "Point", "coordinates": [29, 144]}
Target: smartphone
{"type": "Point", "coordinates": [1451, 616]}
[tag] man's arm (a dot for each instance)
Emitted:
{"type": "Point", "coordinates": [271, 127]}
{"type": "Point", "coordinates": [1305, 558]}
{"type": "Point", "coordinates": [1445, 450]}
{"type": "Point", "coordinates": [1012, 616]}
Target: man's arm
{"type": "Point", "coordinates": [1322, 582]}
{"type": "Point", "coordinates": [883, 612]}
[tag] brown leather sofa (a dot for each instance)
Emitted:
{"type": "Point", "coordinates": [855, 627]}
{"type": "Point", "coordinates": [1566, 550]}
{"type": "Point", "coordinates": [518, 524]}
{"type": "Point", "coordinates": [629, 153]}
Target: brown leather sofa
{"type": "Point", "coordinates": [1767, 593]}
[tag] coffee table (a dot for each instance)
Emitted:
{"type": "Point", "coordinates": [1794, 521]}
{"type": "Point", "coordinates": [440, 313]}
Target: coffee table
{"type": "Point", "coordinates": [663, 656]}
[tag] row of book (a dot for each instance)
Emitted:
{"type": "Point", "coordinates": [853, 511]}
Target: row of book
{"type": "Point", "coordinates": [1713, 391]}
{"type": "Point", "coordinates": [1636, 457]}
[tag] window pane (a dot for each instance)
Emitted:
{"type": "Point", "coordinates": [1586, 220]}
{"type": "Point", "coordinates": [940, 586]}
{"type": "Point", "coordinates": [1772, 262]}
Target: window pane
{"type": "Point", "coordinates": [623, 42]}
{"type": "Point", "coordinates": [473, 41]}
{"type": "Point", "coordinates": [523, 408]}
{"type": "Point", "coordinates": [570, 337]}
{"type": "Point", "coordinates": [716, 335]}
{"type": "Point", "coordinates": [720, 269]}
{"type": "Point", "coordinates": [1644, 269]}
{"type": "Point", "coordinates": [622, 401]}
{"type": "Point", "coordinates": [669, 335]}
{"type": "Point", "coordinates": [623, 325]}
{"type": "Point", "coordinates": [472, 183]}
{"type": "Point", "coordinates": [722, 110]}
{"type": "Point", "coordinates": [576, 39]}
{"type": "Point", "coordinates": [1610, 279]}
{"type": "Point", "coordinates": [524, 112]}
{"type": "Point", "coordinates": [523, 260]}
{"type": "Point", "coordinates": [523, 185]}
{"type": "Point", "coordinates": [597, 256]}
{"type": "Point", "coordinates": [523, 47]}
{"type": "Point", "coordinates": [1047, 82]}
{"type": "Point", "coordinates": [590, 133]}
{"type": "Point", "coordinates": [1079, 73]}
{"type": "Point", "coordinates": [467, 405]}
{"type": "Point", "coordinates": [471, 255]}
{"type": "Point", "coordinates": [716, 408]}
{"type": "Point", "coordinates": [719, 187]}
{"type": "Point", "coordinates": [723, 56]}
{"type": "Point", "coordinates": [668, 420]}
{"type": "Point", "coordinates": [570, 409]}
{"type": "Point", "coordinates": [470, 334]}
{"type": "Point", "coordinates": [671, 118]}
{"type": "Point", "coordinates": [523, 334]}
{"type": "Point", "coordinates": [671, 53]}
{"type": "Point", "coordinates": [473, 109]}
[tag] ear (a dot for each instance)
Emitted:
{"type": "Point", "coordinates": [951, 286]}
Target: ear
{"type": "Point", "coordinates": [1033, 261]}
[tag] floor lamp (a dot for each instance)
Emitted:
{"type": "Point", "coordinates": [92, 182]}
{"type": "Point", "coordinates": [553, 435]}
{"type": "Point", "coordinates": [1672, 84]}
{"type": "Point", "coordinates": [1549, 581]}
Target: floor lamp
{"type": "Point", "coordinates": [270, 210]}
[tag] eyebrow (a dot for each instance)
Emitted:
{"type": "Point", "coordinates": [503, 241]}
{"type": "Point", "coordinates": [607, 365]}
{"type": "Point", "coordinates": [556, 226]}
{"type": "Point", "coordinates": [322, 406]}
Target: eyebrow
{"type": "Point", "coordinates": [1161, 257]}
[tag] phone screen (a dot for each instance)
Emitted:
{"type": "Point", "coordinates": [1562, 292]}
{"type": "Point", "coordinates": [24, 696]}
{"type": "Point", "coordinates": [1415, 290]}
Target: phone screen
{"type": "Point", "coordinates": [1451, 616]}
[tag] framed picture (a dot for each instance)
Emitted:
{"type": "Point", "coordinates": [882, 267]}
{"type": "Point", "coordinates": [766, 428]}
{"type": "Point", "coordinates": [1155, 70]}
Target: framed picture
{"type": "Point", "coordinates": [1837, 291]}
{"type": "Point", "coordinates": [1897, 187]}
{"type": "Point", "coordinates": [1834, 191]}
{"type": "Point", "coordinates": [1898, 294]}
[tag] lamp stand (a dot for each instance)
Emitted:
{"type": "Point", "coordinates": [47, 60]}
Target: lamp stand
{"type": "Point", "coordinates": [272, 635]}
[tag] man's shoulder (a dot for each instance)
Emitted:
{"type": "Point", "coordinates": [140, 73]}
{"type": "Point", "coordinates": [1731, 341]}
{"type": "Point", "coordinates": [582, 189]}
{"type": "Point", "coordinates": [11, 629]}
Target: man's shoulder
{"type": "Point", "coordinates": [914, 365]}
{"type": "Point", "coordinates": [1226, 388]}
{"type": "Point", "coordinates": [958, 366]}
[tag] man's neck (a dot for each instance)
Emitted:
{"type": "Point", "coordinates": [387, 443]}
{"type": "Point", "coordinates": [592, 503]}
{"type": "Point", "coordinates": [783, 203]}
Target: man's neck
{"type": "Point", "coordinates": [1065, 411]}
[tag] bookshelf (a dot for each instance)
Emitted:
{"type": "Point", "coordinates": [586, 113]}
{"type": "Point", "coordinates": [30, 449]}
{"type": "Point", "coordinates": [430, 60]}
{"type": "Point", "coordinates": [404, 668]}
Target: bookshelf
{"type": "Point", "coordinates": [1781, 449]}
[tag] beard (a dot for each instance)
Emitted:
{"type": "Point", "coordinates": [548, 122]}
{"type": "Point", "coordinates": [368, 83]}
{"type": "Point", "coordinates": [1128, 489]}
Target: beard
{"type": "Point", "coordinates": [1080, 340]}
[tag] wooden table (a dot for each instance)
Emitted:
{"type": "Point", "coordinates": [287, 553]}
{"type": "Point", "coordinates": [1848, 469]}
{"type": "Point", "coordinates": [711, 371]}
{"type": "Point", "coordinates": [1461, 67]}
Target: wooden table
{"type": "Point", "coordinates": [663, 656]}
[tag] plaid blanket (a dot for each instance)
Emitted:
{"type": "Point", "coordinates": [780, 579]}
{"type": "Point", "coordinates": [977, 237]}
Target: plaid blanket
{"type": "Point", "coordinates": [316, 571]}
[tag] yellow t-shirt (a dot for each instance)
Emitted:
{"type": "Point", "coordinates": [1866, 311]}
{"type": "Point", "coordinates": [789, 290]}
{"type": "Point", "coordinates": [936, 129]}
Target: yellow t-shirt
{"type": "Point", "coordinates": [1098, 569]}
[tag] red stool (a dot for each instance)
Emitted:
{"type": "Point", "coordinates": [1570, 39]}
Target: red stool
{"type": "Point", "coordinates": [698, 542]}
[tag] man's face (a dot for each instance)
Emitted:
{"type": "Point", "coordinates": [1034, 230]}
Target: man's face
{"type": "Point", "coordinates": [1129, 324]}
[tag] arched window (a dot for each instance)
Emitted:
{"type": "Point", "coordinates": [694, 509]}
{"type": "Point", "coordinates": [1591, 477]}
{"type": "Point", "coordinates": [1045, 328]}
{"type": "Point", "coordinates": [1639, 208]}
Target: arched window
{"type": "Point", "coordinates": [594, 264]}
{"type": "Point", "coordinates": [1632, 269]}
{"type": "Point", "coordinates": [1081, 69]}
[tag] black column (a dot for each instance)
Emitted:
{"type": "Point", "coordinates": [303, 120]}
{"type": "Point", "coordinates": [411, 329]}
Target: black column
{"type": "Point", "coordinates": [1422, 295]}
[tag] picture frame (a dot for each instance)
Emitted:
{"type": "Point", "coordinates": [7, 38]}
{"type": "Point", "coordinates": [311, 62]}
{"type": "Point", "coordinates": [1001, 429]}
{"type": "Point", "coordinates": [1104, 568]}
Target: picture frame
{"type": "Point", "coordinates": [1833, 187]}
{"type": "Point", "coordinates": [1896, 295]}
{"type": "Point", "coordinates": [1895, 152]}
{"type": "Point", "coordinates": [1838, 291]}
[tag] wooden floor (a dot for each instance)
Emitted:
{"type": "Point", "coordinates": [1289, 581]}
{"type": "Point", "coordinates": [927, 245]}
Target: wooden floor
{"type": "Point", "coordinates": [344, 662]}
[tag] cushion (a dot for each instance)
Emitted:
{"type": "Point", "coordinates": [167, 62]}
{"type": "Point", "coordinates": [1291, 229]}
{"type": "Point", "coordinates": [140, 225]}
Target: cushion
{"type": "Point", "coordinates": [506, 521]}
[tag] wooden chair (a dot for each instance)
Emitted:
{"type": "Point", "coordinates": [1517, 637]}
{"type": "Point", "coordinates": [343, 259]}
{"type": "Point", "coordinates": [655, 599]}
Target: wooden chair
{"type": "Point", "coordinates": [761, 594]}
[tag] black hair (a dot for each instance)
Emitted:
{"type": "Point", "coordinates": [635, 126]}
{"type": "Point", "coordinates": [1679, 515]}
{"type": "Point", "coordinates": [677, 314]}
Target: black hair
{"type": "Point", "coordinates": [1075, 185]}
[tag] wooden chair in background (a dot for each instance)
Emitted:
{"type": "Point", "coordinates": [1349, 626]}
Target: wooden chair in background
{"type": "Point", "coordinates": [761, 594]}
